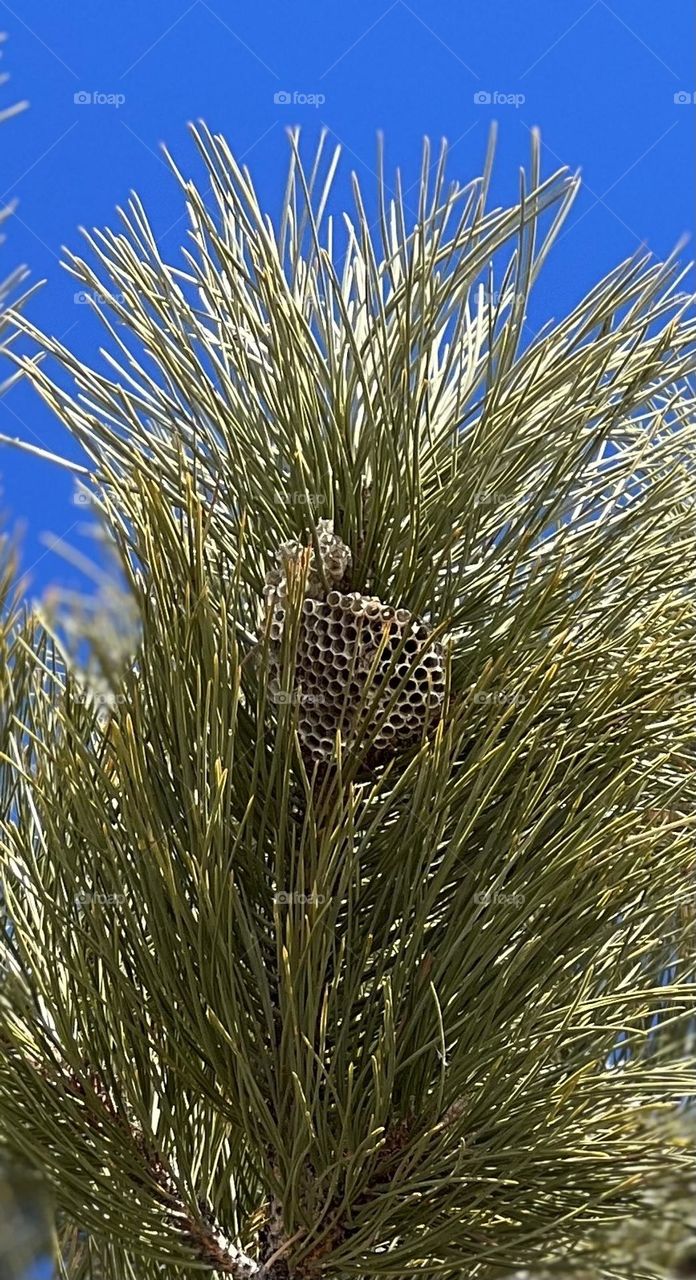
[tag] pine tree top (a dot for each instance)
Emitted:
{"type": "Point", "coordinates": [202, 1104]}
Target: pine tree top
{"type": "Point", "coordinates": [420, 1011]}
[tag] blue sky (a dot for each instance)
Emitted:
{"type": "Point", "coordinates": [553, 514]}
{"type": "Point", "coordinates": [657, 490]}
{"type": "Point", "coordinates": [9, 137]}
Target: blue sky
{"type": "Point", "coordinates": [598, 78]}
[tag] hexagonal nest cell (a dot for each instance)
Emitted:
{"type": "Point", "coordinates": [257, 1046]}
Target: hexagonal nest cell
{"type": "Point", "coordinates": [343, 639]}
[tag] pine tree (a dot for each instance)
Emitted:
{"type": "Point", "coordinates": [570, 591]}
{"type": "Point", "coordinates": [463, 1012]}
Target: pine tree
{"type": "Point", "coordinates": [351, 902]}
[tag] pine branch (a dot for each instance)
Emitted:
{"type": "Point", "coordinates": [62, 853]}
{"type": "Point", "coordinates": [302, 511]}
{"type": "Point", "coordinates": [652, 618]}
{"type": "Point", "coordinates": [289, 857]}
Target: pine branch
{"type": "Point", "coordinates": [379, 1010]}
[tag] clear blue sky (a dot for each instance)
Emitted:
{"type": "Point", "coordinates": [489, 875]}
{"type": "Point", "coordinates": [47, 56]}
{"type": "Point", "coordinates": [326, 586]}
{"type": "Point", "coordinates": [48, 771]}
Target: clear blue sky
{"type": "Point", "coordinates": [599, 79]}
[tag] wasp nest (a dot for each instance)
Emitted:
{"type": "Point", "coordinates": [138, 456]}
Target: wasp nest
{"type": "Point", "coordinates": [355, 656]}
